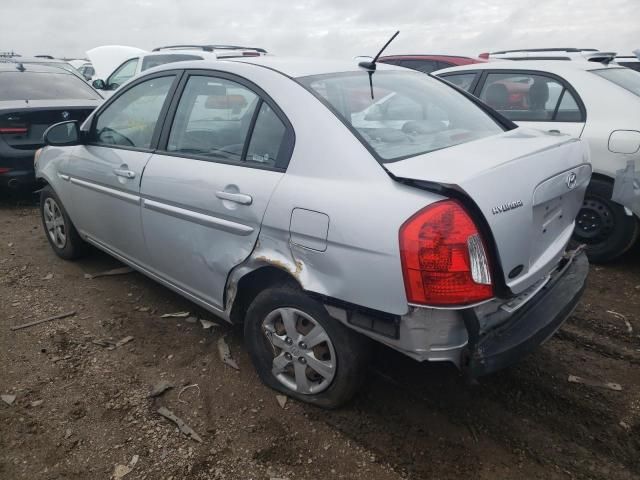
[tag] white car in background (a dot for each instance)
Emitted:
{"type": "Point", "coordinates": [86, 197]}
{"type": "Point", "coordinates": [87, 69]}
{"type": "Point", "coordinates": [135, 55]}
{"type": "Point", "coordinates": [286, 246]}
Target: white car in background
{"type": "Point", "coordinates": [115, 65]}
{"type": "Point", "coordinates": [596, 101]}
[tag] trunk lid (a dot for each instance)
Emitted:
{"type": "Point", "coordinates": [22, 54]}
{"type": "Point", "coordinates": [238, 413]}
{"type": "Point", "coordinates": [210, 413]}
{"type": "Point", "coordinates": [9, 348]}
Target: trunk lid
{"type": "Point", "coordinates": [529, 186]}
{"type": "Point", "coordinates": [36, 116]}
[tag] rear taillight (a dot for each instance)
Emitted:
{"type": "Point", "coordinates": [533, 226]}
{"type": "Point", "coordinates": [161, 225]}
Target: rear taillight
{"type": "Point", "coordinates": [444, 260]}
{"type": "Point", "coordinates": [12, 125]}
{"type": "Point", "coordinates": [13, 130]}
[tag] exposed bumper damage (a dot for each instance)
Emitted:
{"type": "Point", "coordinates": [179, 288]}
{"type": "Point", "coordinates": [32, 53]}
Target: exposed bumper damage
{"type": "Point", "coordinates": [485, 338]}
{"type": "Point", "coordinates": [529, 326]}
{"type": "Point", "coordinates": [626, 188]}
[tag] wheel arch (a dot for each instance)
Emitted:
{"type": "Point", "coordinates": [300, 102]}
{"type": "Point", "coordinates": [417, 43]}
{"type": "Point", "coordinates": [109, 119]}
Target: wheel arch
{"type": "Point", "coordinates": [246, 283]}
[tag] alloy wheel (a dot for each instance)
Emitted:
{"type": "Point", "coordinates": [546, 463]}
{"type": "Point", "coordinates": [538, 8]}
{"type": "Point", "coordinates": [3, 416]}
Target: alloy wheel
{"type": "Point", "coordinates": [54, 222]}
{"type": "Point", "coordinates": [304, 359]}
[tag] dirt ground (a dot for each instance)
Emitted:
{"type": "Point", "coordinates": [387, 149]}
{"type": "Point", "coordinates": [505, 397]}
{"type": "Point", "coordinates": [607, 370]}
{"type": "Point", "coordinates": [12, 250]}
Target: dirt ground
{"type": "Point", "coordinates": [82, 409]}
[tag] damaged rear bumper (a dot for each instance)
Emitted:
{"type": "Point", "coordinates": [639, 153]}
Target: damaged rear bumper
{"type": "Point", "coordinates": [531, 325]}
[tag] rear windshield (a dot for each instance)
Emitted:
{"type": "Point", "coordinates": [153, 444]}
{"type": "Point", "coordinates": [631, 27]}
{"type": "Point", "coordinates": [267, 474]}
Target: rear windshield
{"type": "Point", "coordinates": [404, 113]}
{"type": "Point", "coordinates": [44, 86]}
{"type": "Point", "coordinates": [623, 77]}
{"type": "Point", "coordinates": [151, 61]}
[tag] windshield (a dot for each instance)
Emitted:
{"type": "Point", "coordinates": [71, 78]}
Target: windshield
{"type": "Point", "coordinates": [623, 77]}
{"type": "Point", "coordinates": [44, 86]}
{"type": "Point", "coordinates": [409, 114]}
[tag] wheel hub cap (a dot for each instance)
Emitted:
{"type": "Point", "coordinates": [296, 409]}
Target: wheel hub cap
{"type": "Point", "coordinates": [304, 359]}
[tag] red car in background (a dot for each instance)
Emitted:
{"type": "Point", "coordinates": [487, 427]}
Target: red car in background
{"type": "Point", "coordinates": [429, 63]}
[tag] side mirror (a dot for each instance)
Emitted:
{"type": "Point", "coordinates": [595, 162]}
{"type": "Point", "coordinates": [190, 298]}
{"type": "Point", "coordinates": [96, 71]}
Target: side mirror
{"type": "Point", "coordinates": [62, 134]}
{"type": "Point", "coordinates": [99, 84]}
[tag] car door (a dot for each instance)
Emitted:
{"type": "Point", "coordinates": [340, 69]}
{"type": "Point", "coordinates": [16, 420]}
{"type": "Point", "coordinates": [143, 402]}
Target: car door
{"type": "Point", "coordinates": [206, 192]}
{"type": "Point", "coordinates": [534, 99]}
{"type": "Point", "coordinates": [105, 172]}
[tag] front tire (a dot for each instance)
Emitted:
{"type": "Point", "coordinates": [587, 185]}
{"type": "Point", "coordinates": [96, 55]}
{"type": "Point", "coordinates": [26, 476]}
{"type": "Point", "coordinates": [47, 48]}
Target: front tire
{"type": "Point", "coordinates": [299, 350]}
{"type": "Point", "coordinates": [62, 235]}
{"type": "Point", "coordinates": [603, 225]}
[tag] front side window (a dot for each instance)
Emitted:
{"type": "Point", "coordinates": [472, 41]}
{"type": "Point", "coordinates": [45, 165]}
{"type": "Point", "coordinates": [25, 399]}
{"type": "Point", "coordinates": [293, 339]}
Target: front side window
{"type": "Point", "coordinates": [124, 72]}
{"type": "Point", "coordinates": [461, 80]}
{"type": "Point", "coordinates": [529, 97]}
{"type": "Point", "coordinates": [130, 120]}
{"type": "Point", "coordinates": [623, 77]}
{"type": "Point", "coordinates": [409, 114]}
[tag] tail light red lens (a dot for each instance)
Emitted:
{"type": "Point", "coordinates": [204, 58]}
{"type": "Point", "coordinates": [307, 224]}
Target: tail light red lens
{"type": "Point", "coordinates": [13, 130]}
{"type": "Point", "coordinates": [444, 260]}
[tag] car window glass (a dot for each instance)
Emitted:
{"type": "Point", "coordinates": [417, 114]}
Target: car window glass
{"type": "Point", "coordinates": [402, 113]}
{"type": "Point", "coordinates": [151, 61]}
{"type": "Point", "coordinates": [44, 86]}
{"type": "Point", "coordinates": [124, 72]}
{"type": "Point", "coordinates": [424, 66]}
{"type": "Point", "coordinates": [267, 139]}
{"type": "Point", "coordinates": [461, 80]}
{"type": "Point", "coordinates": [523, 96]}
{"type": "Point", "coordinates": [212, 118]}
{"type": "Point", "coordinates": [623, 77]}
{"type": "Point", "coordinates": [130, 120]}
{"type": "Point", "coordinates": [568, 110]}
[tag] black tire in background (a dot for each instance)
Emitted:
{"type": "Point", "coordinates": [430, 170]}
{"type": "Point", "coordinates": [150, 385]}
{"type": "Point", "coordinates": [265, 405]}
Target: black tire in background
{"type": "Point", "coordinates": [73, 246]}
{"type": "Point", "coordinates": [352, 350]}
{"type": "Point", "coordinates": [603, 225]}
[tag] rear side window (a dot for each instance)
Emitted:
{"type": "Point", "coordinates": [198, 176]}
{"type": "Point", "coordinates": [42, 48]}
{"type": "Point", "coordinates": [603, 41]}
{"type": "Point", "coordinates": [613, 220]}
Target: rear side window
{"type": "Point", "coordinates": [401, 113]}
{"type": "Point", "coordinates": [530, 97]}
{"type": "Point", "coordinates": [623, 77]}
{"type": "Point", "coordinates": [151, 61]}
{"type": "Point", "coordinates": [130, 120]}
{"type": "Point", "coordinates": [267, 139]}
{"type": "Point", "coordinates": [461, 80]}
{"type": "Point", "coordinates": [44, 86]}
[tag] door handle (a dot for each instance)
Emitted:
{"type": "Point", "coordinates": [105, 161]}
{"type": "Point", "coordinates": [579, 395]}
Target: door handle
{"type": "Point", "coordinates": [124, 173]}
{"type": "Point", "coordinates": [241, 198]}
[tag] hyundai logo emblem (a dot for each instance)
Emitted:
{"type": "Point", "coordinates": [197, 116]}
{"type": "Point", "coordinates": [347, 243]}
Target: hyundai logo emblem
{"type": "Point", "coordinates": [65, 115]}
{"type": "Point", "coordinates": [572, 180]}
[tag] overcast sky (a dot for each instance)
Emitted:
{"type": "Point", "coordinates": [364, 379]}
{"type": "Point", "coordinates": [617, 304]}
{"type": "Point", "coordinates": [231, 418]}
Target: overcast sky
{"type": "Point", "coordinates": [324, 28]}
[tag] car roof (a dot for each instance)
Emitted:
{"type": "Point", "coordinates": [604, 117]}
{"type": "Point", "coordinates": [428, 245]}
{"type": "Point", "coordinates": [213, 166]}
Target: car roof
{"type": "Point", "coordinates": [289, 66]}
{"type": "Point", "coordinates": [432, 56]}
{"type": "Point", "coordinates": [544, 65]}
{"type": "Point", "coordinates": [13, 66]}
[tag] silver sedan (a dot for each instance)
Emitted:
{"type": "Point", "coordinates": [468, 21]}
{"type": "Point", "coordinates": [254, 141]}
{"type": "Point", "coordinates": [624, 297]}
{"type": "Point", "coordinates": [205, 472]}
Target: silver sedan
{"type": "Point", "coordinates": [324, 205]}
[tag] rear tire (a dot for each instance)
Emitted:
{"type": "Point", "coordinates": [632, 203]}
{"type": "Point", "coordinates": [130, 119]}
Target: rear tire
{"type": "Point", "coordinates": [603, 225]}
{"type": "Point", "coordinates": [324, 364]}
{"type": "Point", "coordinates": [61, 234]}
